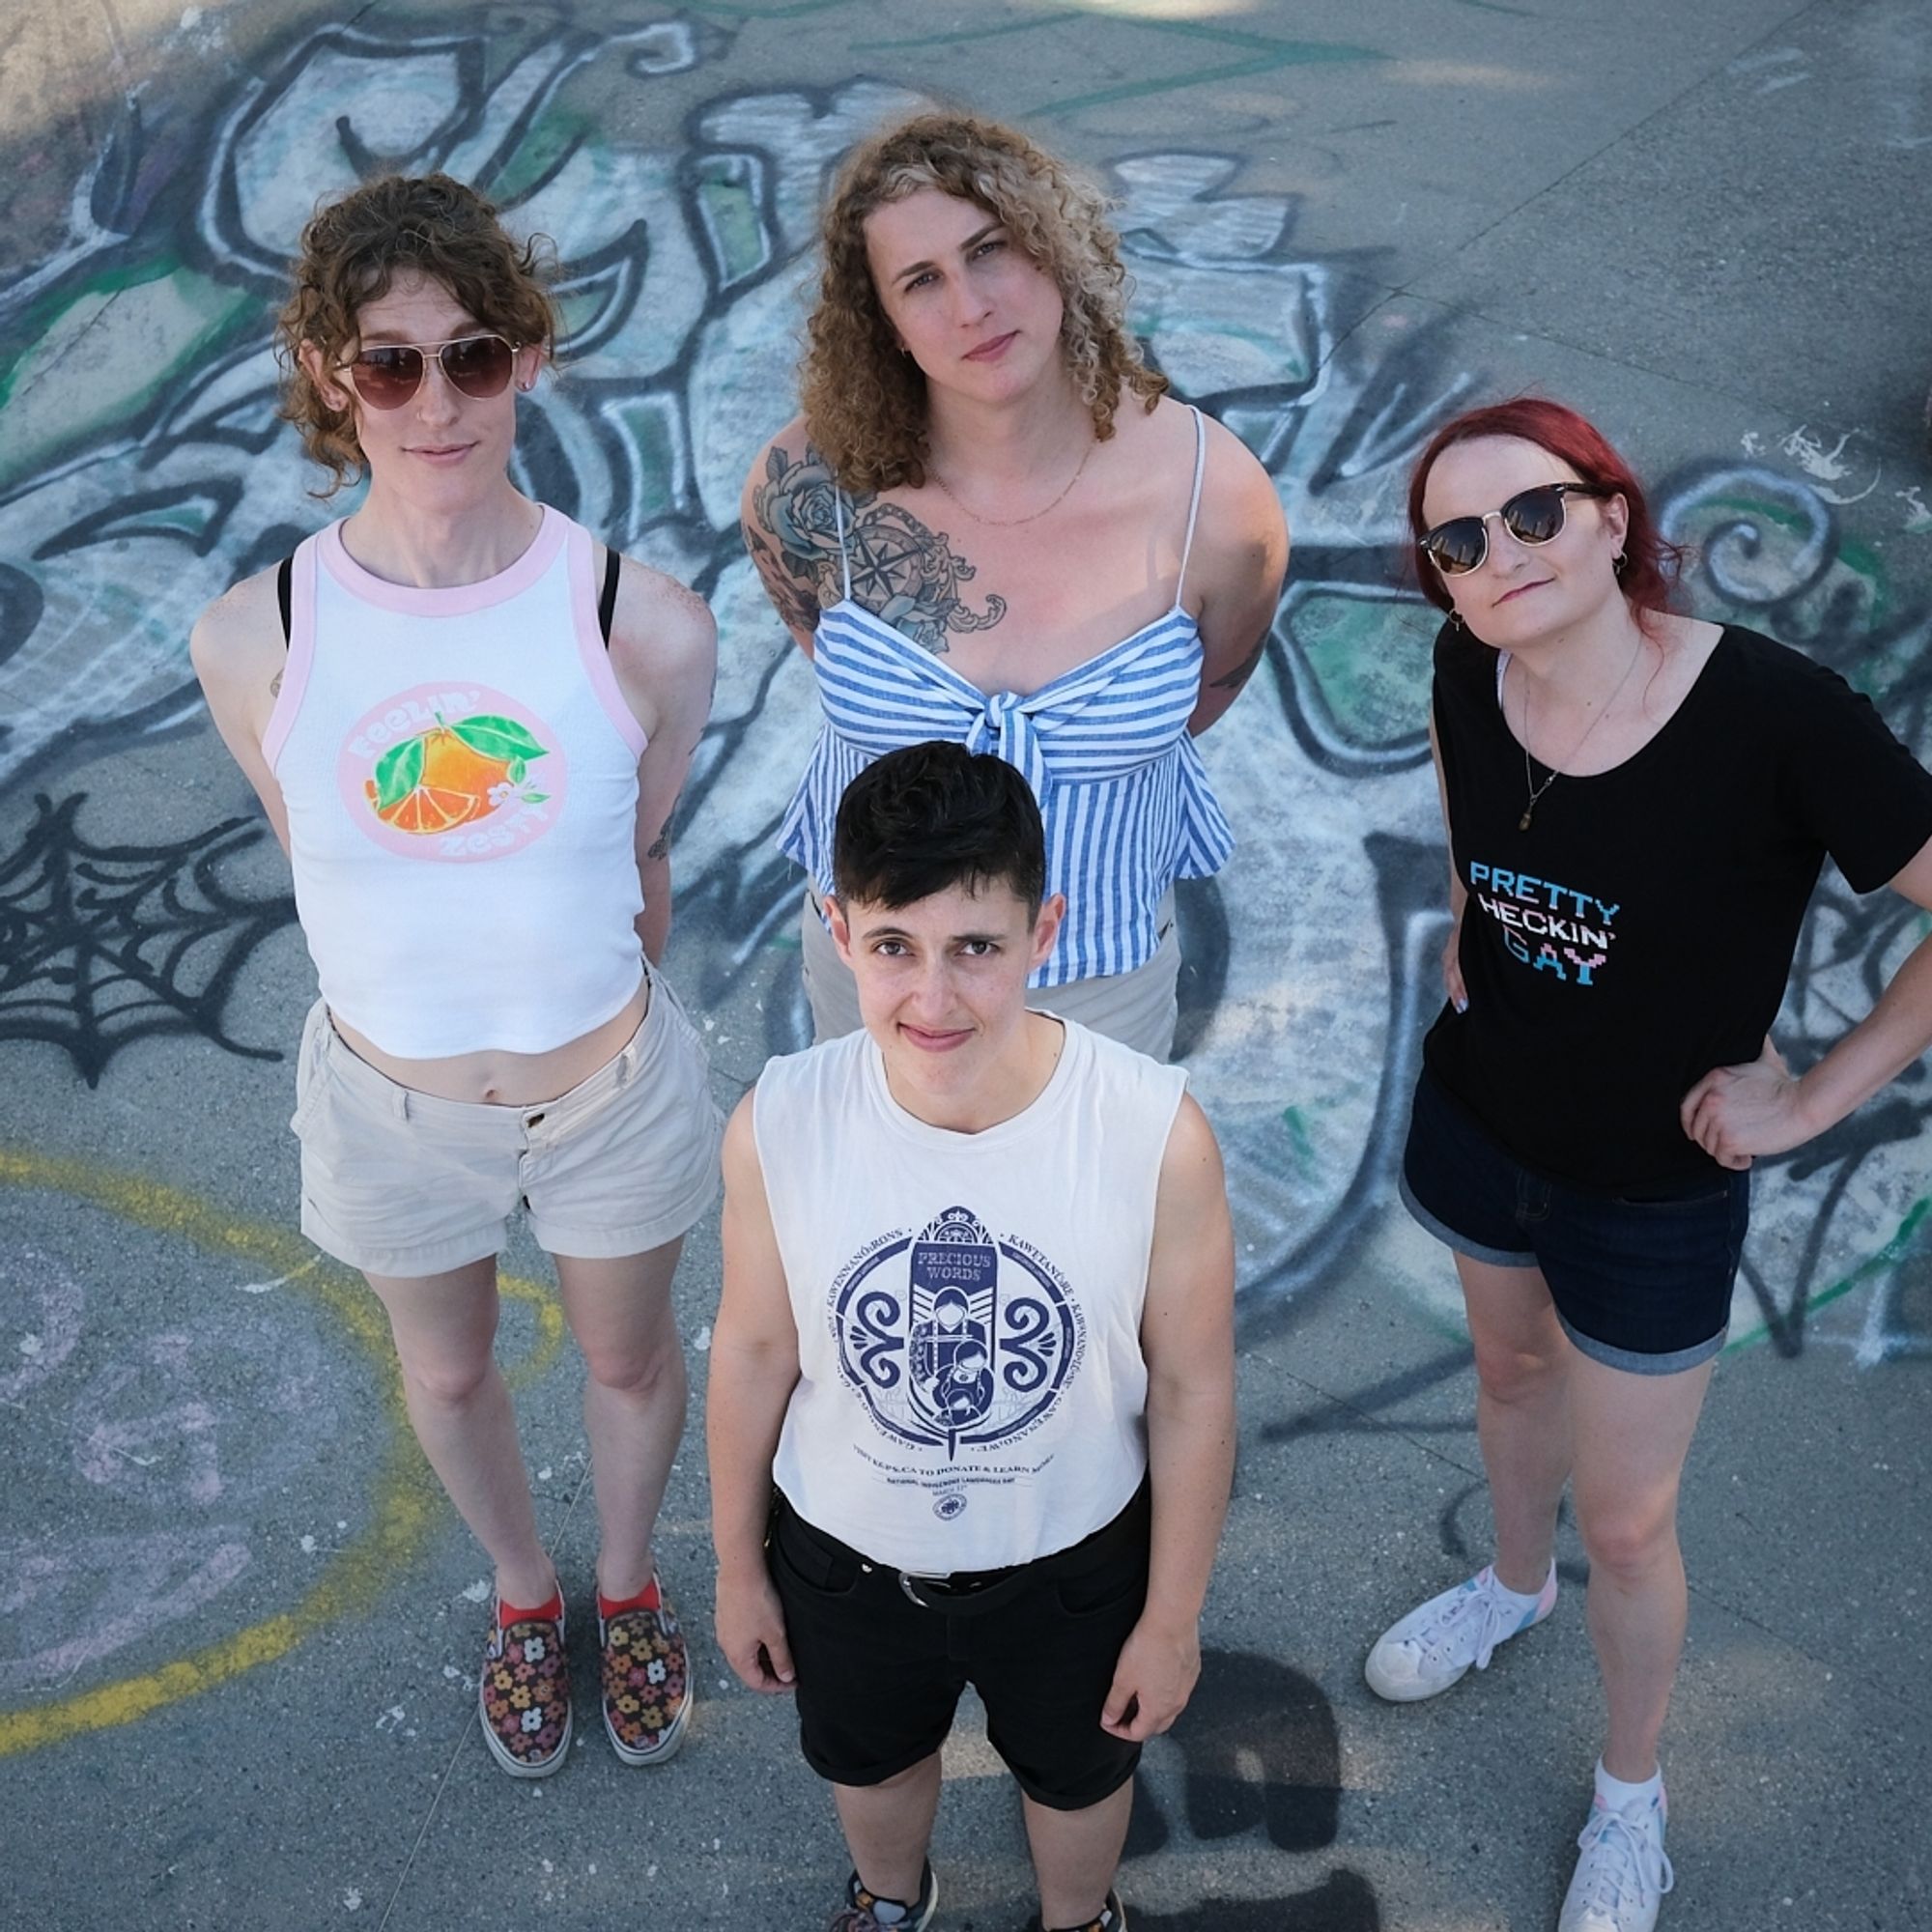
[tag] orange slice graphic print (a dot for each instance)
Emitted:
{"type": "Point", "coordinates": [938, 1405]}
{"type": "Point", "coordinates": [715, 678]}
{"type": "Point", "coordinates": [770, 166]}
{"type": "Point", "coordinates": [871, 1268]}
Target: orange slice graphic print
{"type": "Point", "coordinates": [453, 774]}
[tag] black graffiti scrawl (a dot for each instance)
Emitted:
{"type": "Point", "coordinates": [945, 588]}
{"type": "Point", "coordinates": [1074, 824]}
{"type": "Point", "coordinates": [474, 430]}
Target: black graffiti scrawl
{"type": "Point", "coordinates": [104, 945]}
{"type": "Point", "coordinates": [134, 487]}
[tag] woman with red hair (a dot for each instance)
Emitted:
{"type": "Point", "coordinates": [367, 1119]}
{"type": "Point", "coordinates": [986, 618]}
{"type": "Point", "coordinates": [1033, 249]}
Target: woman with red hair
{"type": "Point", "coordinates": [1637, 805]}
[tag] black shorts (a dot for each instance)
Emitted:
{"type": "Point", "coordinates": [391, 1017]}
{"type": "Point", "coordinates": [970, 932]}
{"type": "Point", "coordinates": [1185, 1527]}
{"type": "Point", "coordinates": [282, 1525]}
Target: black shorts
{"type": "Point", "coordinates": [1642, 1281]}
{"type": "Point", "coordinates": [879, 1674]}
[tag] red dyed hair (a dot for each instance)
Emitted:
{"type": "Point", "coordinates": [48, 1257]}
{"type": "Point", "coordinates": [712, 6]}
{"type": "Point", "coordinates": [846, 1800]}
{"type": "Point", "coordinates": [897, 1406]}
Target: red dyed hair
{"type": "Point", "coordinates": [1649, 577]}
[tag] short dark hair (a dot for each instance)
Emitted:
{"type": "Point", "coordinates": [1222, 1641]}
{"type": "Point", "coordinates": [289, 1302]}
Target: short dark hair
{"type": "Point", "coordinates": [929, 817]}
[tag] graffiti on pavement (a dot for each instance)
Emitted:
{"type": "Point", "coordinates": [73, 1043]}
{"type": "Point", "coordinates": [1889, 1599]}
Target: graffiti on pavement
{"type": "Point", "coordinates": [143, 468]}
{"type": "Point", "coordinates": [104, 945]}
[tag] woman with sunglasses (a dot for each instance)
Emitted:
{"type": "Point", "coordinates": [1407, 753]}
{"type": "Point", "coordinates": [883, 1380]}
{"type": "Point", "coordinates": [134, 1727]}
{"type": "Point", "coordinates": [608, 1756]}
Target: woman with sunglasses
{"type": "Point", "coordinates": [1637, 807]}
{"type": "Point", "coordinates": [468, 725]}
{"type": "Point", "coordinates": [992, 525]}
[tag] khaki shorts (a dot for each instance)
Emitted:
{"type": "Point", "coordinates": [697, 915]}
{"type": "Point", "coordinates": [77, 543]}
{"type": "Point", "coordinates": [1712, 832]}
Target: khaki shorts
{"type": "Point", "coordinates": [1138, 1009]}
{"type": "Point", "coordinates": [396, 1183]}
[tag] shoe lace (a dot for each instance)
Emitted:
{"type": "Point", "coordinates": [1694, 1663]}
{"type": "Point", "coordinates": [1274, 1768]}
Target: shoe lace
{"type": "Point", "coordinates": [1623, 1858]}
{"type": "Point", "coordinates": [1496, 1622]}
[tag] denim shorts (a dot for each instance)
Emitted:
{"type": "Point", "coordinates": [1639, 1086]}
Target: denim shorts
{"type": "Point", "coordinates": [880, 1668]}
{"type": "Point", "coordinates": [1642, 1281]}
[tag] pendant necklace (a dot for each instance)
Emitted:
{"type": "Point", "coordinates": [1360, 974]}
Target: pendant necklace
{"type": "Point", "coordinates": [1530, 785]}
{"type": "Point", "coordinates": [1013, 523]}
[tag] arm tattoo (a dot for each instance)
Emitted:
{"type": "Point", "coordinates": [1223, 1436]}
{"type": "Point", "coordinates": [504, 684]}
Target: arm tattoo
{"type": "Point", "coordinates": [796, 606]}
{"type": "Point", "coordinates": [660, 846]}
{"type": "Point", "coordinates": [275, 685]}
{"type": "Point", "coordinates": [901, 572]}
{"type": "Point", "coordinates": [1234, 680]}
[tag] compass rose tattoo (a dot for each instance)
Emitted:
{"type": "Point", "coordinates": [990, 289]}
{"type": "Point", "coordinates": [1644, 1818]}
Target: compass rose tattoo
{"type": "Point", "coordinates": [904, 573]}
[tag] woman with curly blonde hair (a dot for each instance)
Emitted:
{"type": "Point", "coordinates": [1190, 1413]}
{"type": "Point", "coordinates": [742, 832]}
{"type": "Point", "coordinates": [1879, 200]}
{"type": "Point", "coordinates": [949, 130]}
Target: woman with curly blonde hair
{"type": "Point", "coordinates": [990, 524]}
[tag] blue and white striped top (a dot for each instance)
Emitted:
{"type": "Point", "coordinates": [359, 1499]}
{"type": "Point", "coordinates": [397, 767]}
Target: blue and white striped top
{"type": "Point", "coordinates": [1126, 799]}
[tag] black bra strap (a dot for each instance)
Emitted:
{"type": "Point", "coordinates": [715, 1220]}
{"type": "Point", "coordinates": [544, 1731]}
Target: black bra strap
{"type": "Point", "coordinates": [607, 602]}
{"type": "Point", "coordinates": [285, 583]}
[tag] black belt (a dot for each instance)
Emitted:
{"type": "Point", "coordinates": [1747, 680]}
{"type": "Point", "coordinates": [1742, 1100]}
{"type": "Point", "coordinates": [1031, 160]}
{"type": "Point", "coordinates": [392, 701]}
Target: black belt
{"type": "Point", "coordinates": [955, 1584]}
{"type": "Point", "coordinates": [972, 1590]}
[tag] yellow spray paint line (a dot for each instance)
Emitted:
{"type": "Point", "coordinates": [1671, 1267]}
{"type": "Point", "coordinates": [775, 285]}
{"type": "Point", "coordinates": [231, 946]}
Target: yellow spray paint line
{"type": "Point", "coordinates": [406, 1501]}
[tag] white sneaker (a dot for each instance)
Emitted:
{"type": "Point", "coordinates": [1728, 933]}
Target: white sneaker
{"type": "Point", "coordinates": [1622, 1875]}
{"type": "Point", "coordinates": [1435, 1645]}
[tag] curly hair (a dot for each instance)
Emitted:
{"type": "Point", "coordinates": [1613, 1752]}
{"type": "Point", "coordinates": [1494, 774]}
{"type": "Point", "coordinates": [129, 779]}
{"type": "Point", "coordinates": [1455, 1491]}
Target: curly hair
{"type": "Point", "coordinates": [353, 248]}
{"type": "Point", "coordinates": [1652, 566]}
{"type": "Point", "coordinates": [865, 403]}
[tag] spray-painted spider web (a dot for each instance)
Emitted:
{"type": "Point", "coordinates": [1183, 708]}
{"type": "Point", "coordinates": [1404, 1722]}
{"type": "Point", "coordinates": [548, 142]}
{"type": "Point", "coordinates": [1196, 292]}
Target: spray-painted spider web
{"type": "Point", "coordinates": [104, 945]}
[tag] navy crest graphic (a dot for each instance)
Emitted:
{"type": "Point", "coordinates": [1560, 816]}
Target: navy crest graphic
{"type": "Point", "coordinates": [954, 1338]}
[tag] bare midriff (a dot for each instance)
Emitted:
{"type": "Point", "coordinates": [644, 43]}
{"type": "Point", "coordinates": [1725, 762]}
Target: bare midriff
{"type": "Point", "coordinates": [496, 1078]}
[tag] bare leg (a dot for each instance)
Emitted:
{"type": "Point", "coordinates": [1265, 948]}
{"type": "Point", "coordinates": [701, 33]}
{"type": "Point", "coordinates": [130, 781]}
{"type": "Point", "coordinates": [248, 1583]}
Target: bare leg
{"type": "Point", "coordinates": [445, 1326]}
{"type": "Point", "coordinates": [888, 1827]}
{"type": "Point", "coordinates": [1523, 1421]}
{"type": "Point", "coordinates": [1075, 1854]}
{"type": "Point", "coordinates": [633, 1400]}
{"type": "Point", "coordinates": [1633, 1434]}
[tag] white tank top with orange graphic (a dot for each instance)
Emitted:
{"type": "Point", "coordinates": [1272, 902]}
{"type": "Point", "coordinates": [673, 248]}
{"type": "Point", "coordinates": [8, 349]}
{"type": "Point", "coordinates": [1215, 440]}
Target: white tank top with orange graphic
{"type": "Point", "coordinates": [460, 776]}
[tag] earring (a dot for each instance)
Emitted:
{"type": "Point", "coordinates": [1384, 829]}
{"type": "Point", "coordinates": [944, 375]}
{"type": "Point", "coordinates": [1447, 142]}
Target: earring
{"type": "Point", "coordinates": [1456, 620]}
{"type": "Point", "coordinates": [1619, 564]}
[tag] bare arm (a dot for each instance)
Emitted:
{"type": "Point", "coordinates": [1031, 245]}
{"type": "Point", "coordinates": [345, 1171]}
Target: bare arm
{"type": "Point", "coordinates": [1246, 545]}
{"type": "Point", "coordinates": [753, 1371]}
{"type": "Point", "coordinates": [664, 651]}
{"type": "Point", "coordinates": [1737, 1113]}
{"type": "Point", "coordinates": [786, 519]}
{"type": "Point", "coordinates": [1188, 1334]}
{"type": "Point", "coordinates": [238, 654]}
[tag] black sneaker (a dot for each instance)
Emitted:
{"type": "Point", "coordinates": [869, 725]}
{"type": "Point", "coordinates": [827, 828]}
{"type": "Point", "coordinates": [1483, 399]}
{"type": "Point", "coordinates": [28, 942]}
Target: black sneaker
{"type": "Point", "coordinates": [867, 1912]}
{"type": "Point", "coordinates": [1112, 1918]}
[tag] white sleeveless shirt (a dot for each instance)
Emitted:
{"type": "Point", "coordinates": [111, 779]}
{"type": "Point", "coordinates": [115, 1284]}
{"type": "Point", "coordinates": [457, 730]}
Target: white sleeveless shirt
{"type": "Point", "coordinates": [972, 1391]}
{"type": "Point", "coordinates": [460, 776]}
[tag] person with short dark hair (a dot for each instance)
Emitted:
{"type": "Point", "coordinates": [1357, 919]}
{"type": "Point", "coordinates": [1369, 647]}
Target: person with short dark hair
{"type": "Point", "coordinates": [991, 524]}
{"type": "Point", "coordinates": [971, 1408]}
{"type": "Point", "coordinates": [1637, 807]}
{"type": "Point", "coordinates": [468, 725]}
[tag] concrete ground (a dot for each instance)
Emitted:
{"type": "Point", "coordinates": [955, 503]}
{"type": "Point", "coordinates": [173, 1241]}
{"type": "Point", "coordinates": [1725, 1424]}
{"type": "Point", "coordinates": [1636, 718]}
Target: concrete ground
{"type": "Point", "coordinates": [239, 1626]}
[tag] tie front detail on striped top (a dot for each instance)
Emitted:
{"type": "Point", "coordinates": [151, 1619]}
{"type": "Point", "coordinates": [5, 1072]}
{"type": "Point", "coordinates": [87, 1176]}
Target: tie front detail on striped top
{"type": "Point", "coordinates": [1127, 802]}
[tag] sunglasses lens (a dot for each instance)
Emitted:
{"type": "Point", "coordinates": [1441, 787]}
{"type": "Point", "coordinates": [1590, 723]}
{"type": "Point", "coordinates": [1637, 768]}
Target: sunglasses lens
{"type": "Point", "coordinates": [1458, 546]}
{"type": "Point", "coordinates": [478, 366]}
{"type": "Point", "coordinates": [386, 378]}
{"type": "Point", "coordinates": [1535, 516]}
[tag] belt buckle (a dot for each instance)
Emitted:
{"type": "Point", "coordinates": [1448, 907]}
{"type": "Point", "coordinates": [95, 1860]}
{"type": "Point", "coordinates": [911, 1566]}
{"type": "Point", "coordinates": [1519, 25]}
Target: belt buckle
{"type": "Point", "coordinates": [955, 1586]}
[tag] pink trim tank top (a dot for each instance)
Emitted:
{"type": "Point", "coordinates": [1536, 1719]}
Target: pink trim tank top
{"type": "Point", "coordinates": [460, 776]}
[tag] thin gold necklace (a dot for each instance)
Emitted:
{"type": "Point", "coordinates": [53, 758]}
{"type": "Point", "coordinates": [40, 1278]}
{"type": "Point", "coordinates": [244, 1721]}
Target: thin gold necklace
{"type": "Point", "coordinates": [1013, 523]}
{"type": "Point", "coordinates": [1536, 790]}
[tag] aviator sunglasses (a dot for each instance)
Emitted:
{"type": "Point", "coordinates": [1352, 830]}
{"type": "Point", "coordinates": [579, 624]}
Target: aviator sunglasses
{"type": "Point", "coordinates": [387, 375]}
{"type": "Point", "coordinates": [1531, 517]}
